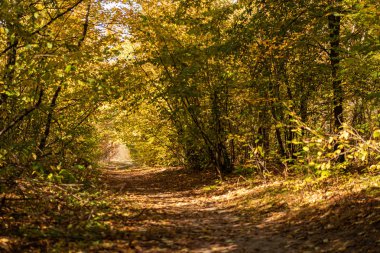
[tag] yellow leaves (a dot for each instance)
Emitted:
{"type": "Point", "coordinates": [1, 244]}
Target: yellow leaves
{"type": "Point", "coordinates": [344, 135]}
{"type": "Point", "coordinates": [374, 168]}
{"type": "Point", "coordinates": [376, 133]}
{"type": "Point", "coordinates": [259, 151]}
{"type": "Point", "coordinates": [363, 155]}
{"type": "Point", "coordinates": [325, 166]}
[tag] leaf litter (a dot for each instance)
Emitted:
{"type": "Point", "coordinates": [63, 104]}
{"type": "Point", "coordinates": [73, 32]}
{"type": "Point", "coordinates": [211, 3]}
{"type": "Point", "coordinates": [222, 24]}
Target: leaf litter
{"type": "Point", "coordinates": [175, 210]}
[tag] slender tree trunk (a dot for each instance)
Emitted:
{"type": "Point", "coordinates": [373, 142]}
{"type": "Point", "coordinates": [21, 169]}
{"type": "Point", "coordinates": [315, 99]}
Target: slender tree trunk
{"type": "Point", "coordinates": [53, 102]}
{"type": "Point", "coordinates": [49, 119]}
{"type": "Point", "coordinates": [222, 158]}
{"type": "Point", "coordinates": [334, 21]}
{"type": "Point", "coordinates": [289, 136]}
{"type": "Point", "coordinates": [263, 132]}
{"type": "Point", "coordinates": [10, 66]}
{"type": "Point", "coordinates": [280, 143]}
{"type": "Point", "coordinates": [233, 151]}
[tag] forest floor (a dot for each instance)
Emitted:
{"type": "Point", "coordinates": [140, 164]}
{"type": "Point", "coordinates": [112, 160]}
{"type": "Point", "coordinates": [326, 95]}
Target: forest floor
{"type": "Point", "coordinates": [182, 211]}
{"type": "Point", "coordinates": [174, 210]}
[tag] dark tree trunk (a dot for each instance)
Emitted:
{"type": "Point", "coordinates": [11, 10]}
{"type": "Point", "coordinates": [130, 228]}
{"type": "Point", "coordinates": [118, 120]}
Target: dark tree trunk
{"type": "Point", "coordinates": [9, 67]}
{"type": "Point", "coordinates": [338, 93]}
{"type": "Point", "coordinates": [49, 120]}
{"type": "Point", "coordinates": [222, 159]}
{"type": "Point", "coordinates": [263, 132]}
{"type": "Point", "coordinates": [233, 151]}
{"type": "Point", "coordinates": [280, 143]}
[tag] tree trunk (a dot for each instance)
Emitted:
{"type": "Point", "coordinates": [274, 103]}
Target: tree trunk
{"type": "Point", "coordinates": [222, 159]}
{"type": "Point", "coordinates": [49, 120]}
{"type": "Point", "coordinates": [334, 28]}
{"type": "Point", "coordinates": [263, 132]}
{"type": "Point", "coordinates": [10, 66]}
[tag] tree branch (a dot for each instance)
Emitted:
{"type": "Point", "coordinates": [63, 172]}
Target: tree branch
{"type": "Point", "coordinates": [23, 115]}
{"type": "Point", "coordinates": [45, 25]}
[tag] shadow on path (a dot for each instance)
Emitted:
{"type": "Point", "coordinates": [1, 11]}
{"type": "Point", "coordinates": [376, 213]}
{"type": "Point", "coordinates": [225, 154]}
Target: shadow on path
{"type": "Point", "coordinates": [179, 215]}
{"type": "Point", "coordinates": [157, 180]}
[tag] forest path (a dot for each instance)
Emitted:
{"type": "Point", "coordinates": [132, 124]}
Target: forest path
{"type": "Point", "coordinates": [179, 214]}
{"type": "Point", "coordinates": [175, 210]}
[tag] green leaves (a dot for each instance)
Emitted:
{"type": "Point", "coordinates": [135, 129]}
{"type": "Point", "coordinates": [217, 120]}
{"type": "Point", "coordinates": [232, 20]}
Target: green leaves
{"type": "Point", "coordinates": [68, 68]}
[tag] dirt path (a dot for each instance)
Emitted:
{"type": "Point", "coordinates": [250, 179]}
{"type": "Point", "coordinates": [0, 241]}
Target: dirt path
{"type": "Point", "coordinates": [179, 216]}
{"type": "Point", "coordinates": [174, 210]}
{"type": "Point", "coordinates": [178, 211]}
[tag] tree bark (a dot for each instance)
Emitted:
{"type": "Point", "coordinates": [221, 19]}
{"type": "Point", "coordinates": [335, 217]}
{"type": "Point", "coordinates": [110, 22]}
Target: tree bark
{"type": "Point", "coordinates": [222, 159]}
{"type": "Point", "coordinates": [10, 65]}
{"type": "Point", "coordinates": [53, 103]}
{"type": "Point", "coordinates": [334, 23]}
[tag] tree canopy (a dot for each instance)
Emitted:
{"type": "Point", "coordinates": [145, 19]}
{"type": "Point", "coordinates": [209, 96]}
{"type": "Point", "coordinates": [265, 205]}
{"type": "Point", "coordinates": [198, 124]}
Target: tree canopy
{"type": "Point", "coordinates": [204, 84]}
